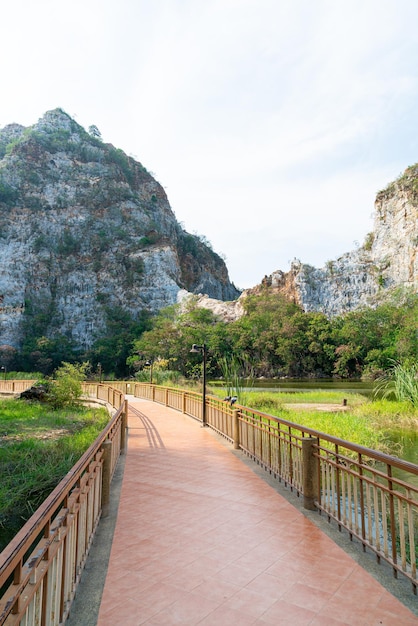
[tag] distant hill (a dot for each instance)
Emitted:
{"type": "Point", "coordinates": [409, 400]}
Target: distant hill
{"type": "Point", "coordinates": [83, 229]}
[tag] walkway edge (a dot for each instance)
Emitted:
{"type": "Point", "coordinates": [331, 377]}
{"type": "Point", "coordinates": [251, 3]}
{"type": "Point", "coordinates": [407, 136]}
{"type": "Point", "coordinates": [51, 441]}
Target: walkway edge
{"type": "Point", "coordinates": [86, 604]}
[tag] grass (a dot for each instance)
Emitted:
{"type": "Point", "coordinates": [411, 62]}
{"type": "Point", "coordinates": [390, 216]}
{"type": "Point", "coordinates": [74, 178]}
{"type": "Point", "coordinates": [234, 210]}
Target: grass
{"type": "Point", "coordinates": [38, 446]}
{"type": "Point", "coordinates": [266, 398]}
{"type": "Point", "coordinates": [367, 423]}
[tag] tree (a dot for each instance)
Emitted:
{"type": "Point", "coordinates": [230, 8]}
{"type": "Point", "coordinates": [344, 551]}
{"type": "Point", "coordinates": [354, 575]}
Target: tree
{"type": "Point", "coordinates": [115, 344]}
{"type": "Point", "coordinates": [95, 132]}
{"type": "Point", "coordinates": [172, 336]}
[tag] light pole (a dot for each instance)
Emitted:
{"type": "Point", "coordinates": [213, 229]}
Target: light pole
{"type": "Point", "coordinates": [148, 363]}
{"type": "Point", "coordinates": [203, 350]}
{"type": "Point", "coordinates": [5, 371]}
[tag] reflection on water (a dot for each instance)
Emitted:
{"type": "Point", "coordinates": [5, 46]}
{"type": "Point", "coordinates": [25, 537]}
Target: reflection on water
{"type": "Point", "coordinates": [408, 443]}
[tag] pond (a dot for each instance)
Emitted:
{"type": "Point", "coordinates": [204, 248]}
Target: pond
{"type": "Point", "coordinates": [408, 441]}
{"type": "Point", "coordinates": [306, 384]}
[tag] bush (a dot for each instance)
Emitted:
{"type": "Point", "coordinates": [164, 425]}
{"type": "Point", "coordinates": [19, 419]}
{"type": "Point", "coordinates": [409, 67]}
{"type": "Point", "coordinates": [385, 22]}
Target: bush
{"type": "Point", "coordinates": [66, 389]}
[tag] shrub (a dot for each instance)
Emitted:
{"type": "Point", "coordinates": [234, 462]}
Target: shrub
{"type": "Point", "coordinates": [66, 389]}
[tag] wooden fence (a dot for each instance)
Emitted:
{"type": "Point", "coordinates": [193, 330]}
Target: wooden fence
{"type": "Point", "coordinates": [41, 567]}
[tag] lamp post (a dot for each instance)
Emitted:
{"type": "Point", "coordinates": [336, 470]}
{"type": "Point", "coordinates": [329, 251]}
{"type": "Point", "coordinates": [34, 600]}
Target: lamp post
{"type": "Point", "coordinates": [148, 363]}
{"type": "Point", "coordinates": [203, 350]}
{"type": "Point", "coordinates": [5, 371]}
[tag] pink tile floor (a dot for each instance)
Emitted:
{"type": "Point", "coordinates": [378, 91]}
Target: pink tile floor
{"type": "Point", "coordinates": [201, 539]}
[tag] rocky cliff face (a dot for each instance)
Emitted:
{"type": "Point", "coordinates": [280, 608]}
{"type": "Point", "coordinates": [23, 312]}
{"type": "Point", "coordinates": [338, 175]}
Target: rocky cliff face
{"type": "Point", "coordinates": [387, 261]}
{"type": "Point", "coordinates": [84, 227]}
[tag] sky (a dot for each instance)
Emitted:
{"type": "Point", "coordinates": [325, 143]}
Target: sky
{"type": "Point", "coordinates": [271, 124]}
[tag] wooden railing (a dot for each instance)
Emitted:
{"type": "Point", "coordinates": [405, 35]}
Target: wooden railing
{"type": "Point", "coordinates": [15, 386]}
{"type": "Point", "coordinates": [41, 567]}
{"type": "Point", "coordinates": [372, 495]}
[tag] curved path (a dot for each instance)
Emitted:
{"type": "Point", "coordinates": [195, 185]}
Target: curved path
{"type": "Point", "coordinates": [201, 538]}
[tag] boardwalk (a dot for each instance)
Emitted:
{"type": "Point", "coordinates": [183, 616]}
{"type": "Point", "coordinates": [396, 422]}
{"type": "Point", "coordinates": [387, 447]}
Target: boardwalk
{"type": "Point", "coordinates": [200, 538]}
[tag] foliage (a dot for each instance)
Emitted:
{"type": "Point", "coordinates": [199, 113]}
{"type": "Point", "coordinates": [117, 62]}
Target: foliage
{"type": "Point", "coordinates": [122, 161]}
{"type": "Point", "coordinates": [94, 131]}
{"type": "Point", "coordinates": [161, 375]}
{"type": "Point", "coordinates": [14, 375]}
{"type": "Point", "coordinates": [368, 242]}
{"type": "Point", "coordinates": [114, 345]}
{"type": "Point", "coordinates": [41, 353]}
{"type": "Point", "coordinates": [65, 389]}
{"type": "Point", "coordinates": [172, 337]}
{"type": "Point", "coordinates": [8, 195]}
{"type": "Point", "coordinates": [55, 140]}
{"type": "Point", "coordinates": [275, 336]}
{"type": "Point", "coordinates": [197, 246]}
{"type": "Point", "coordinates": [368, 340]}
{"type": "Point", "coordinates": [278, 339]}
{"type": "Point", "coordinates": [68, 244]}
{"type": "Point", "coordinates": [400, 381]}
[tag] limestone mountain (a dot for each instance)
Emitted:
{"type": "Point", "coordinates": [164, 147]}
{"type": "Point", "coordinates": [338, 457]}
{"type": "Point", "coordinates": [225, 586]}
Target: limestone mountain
{"type": "Point", "coordinates": [385, 264]}
{"type": "Point", "coordinates": [85, 229]}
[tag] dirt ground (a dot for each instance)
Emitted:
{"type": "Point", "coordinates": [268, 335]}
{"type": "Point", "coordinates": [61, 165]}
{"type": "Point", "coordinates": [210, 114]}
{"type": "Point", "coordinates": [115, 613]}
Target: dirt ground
{"type": "Point", "coordinates": [315, 406]}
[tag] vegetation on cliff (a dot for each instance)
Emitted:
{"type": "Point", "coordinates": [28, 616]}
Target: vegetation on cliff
{"type": "Point", "coordinates": [407, 181]}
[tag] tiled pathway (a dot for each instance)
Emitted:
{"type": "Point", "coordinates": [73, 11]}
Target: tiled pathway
{"type": "Point", "coordinates": [201, 539]}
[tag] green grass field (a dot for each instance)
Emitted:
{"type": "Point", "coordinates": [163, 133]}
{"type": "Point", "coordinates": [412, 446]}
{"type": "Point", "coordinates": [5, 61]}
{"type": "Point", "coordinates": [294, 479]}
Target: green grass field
{"type": "Point", "coordinates": [38, 446]}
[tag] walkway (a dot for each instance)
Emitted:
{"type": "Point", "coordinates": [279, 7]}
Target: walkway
{"type": "Point", "coordinates": [202, 539]}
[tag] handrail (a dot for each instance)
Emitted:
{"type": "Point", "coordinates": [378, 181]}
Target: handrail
{"type": "Point", "coordinates": [14, 386]}
{"type": "Point", "coordinates": [373, 495]}
{"type": "Point", "coordinates": [41, 567]}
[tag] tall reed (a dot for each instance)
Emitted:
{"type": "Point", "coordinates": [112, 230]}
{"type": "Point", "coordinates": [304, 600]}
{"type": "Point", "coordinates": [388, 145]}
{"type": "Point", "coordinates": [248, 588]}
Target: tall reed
{"type": "Point", "coordinates": [237, 375]}
{"type": "Point", "coordinates": [400, 381]}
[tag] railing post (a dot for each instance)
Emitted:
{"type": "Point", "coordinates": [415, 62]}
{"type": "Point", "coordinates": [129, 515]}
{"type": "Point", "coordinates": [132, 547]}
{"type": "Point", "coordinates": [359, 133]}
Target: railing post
{"type": "Point", "coordinates": [235, 428]}
{"type": "Point", "coordinates": [106, 476]}
{"type": "Point", "coordinates": [124, 428]}
{"type": "Point", "coordinates": [183, 402]}
{"type": "Point", "coordinates": [309, 473]}
{"type": "Point", "coordinates": [166, 397]}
